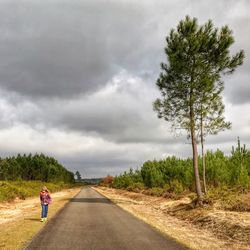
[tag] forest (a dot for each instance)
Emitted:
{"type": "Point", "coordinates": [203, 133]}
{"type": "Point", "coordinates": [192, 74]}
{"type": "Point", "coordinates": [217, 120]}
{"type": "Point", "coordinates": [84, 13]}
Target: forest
{"type": "Point", "coordinates": [34, 167]}
{"type": "Point", "coordinates": [176, 175]}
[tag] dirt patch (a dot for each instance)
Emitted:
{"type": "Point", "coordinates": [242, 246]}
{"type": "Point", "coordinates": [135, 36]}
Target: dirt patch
{"type": "Point", "coordinates": [204, 228]}
{"type": "Point", "coordinates": [20, 208]}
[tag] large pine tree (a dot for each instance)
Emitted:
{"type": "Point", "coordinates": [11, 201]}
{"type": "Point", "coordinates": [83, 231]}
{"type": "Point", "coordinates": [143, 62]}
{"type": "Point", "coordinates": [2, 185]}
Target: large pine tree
{"type": "Point", "coordinates": [197, 58]}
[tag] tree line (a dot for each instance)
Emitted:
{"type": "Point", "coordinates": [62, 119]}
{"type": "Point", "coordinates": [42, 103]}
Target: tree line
{"type": "Point", "coordinates": [34, 167]}
{"type": "Point", "coordinates": [176, 175]}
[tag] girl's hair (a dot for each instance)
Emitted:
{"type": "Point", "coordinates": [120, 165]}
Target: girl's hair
{"type": "Point", "coordinates": [44, 188]}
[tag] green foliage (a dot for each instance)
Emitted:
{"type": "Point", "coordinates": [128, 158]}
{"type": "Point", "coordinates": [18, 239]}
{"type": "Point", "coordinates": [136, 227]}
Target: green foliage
{"type": "Point", "coordinates": [191, 81]}
{"type": "Point", "coordinates": [168, 171]}
{"type": "Point", "coordinates": [9, 190]}
{"type": "Point", "coordinates": [34, 167]}
{"type": "Point", "coordinates": [197, 58]}
{"type": "Point", "coordinates": [155, 191]}
{"type": "Point", "coordinates": [176, 186]}
{"type": "Point", "coordinates": [127, 179]}
{"type": "Point", "coordinates": [136, 187]}
{"type": "Point", "coordinates": [176, 175]}
{"type": "Point", "coordinates": [152, 175]}
{"type": "Point", "coordinates": [243, 179]}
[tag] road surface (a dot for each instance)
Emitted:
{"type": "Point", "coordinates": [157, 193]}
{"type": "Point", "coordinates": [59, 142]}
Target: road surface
{"type": "Point", "coordinates": [92, 222]}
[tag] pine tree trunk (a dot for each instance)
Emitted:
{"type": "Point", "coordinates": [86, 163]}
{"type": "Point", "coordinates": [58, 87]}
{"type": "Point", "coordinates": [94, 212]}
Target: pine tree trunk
{"type": "Point", "coordinates": [195, 158]}
{"type": "Point", "coordinates": [203, 166]}
{"type": "Point", "coordinates": [203, 158]}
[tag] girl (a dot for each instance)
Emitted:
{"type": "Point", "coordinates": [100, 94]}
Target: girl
{"type": "Point", "coordinates": [45, 201]}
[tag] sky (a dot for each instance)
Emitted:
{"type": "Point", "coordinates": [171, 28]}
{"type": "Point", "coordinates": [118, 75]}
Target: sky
{"type": "Point", "coordinates": [77, 80]}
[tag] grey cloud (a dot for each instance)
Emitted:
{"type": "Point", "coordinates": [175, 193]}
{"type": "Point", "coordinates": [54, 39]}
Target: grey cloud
{"type": "Point", "coordinates": [121, 112]}
{"type": "Point", "coordinates": [123, 116]}
{"type": "Point", "coordinates": [62, 49]}
{"type": "Point", "coordinates": [240, 94]}
{"type": "Point", "coordinates": [99, 167]}
{"type": "Point", "coordinates": [50, 52]}
{"type": "Point", "coordinates": [114, 163]}
{"type": "Point", "coordinates": [237, 86]}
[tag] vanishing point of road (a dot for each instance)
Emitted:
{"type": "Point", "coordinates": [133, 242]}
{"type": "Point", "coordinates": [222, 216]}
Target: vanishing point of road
{"type": "Point", "coordinates": [92, 222]}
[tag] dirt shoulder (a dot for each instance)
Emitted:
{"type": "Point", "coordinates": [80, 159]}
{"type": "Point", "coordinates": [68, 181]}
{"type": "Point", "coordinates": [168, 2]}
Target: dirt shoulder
{"type": "Point", "coordinates": [20, 219]}
{"type": "Point", "coordinates": [201, 228]}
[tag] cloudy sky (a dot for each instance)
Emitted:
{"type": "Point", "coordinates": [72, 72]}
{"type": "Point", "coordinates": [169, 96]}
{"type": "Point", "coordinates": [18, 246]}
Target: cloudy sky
{"type": "Point", "coordinates": [77, 79]}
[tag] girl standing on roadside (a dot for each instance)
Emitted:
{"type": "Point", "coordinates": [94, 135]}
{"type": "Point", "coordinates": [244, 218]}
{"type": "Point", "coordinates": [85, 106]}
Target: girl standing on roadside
{"type": "Point", "coordinates": [45, 199]}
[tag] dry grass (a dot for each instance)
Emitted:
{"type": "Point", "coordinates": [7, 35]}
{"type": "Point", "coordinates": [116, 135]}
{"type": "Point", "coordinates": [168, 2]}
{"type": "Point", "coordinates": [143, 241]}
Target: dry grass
{"type": "Point", "coordinates": [199, 229]}
{"type": "Point", "coordinates": [20, 220]}
{"type": "Point", "coordinates": [233, 226]}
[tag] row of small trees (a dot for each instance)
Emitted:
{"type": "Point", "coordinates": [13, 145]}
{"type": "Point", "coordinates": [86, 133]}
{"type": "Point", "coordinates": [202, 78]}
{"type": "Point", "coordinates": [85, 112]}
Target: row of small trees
{"type": "Point", "coordinates": [34, 167]}
{"type": "Point", "coordinates": [177, 174]}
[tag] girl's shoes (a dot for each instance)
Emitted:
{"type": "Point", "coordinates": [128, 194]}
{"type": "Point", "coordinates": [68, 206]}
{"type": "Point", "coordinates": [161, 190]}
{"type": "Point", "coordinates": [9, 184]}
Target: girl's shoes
{"type": "Point", "coordinates": [43, 219]}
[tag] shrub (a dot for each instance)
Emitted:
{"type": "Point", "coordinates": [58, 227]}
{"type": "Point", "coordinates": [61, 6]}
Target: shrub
{"type": "Point", "coordinates": [107, 181]}
{"type": "Point", "coordinates": [23, 189]}
{"type": "Point", "coordinates": [175, 175]}
{"type": "Point", "coordinates": [154, 191]}
{"type": "Point", "coordinates": [243, 180]}
{"type": "Point", "coordinates": [136, 187]}
{"type": "Point", "coordinates": [176, 186]}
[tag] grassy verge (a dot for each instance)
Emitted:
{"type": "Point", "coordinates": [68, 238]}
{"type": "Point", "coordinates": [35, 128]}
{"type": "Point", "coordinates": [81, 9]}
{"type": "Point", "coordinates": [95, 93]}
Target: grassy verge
{"type": "Point", "coordinates": [16, 233]}
{"type": "Point", "coordinates": [225, 198]}
{"type": "Point", "coordinates": [229, 199]}
{"type": "Point", "coordinates": [10, 190]}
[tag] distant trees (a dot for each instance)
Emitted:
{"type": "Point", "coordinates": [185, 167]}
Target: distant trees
{"type": "Point", "coordinates": [190, 83]}
{"type": "Point", "coordinates": [128, 179]}
{"type": "Point", "coordinates": [176, 175]}
{"type": "Point", "coordinates": [34, 167]}
{"type": "Point", "coordinates": [78, 176]}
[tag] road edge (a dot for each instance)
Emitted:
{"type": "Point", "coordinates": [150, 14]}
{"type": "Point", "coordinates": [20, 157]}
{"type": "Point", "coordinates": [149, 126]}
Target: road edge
{"type": "Point", "coordinates": [146, 222]}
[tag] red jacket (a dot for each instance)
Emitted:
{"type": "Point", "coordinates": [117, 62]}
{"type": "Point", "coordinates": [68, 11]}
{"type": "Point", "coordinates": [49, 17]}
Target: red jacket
{"type": "Point", "coordinates": [45, 197]}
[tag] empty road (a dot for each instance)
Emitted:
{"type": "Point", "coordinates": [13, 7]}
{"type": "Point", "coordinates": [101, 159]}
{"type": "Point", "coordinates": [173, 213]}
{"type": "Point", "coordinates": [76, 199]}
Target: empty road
{"type": "Point", "coordinates": [90, 222]}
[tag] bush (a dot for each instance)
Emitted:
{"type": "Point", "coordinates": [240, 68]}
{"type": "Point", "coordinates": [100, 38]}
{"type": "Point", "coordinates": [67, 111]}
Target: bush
{"type": "Point", "coordinates": [228, 199]}
{"type": "Point", "coordinates": [136, 187]}
{"type": "Point", "coordinates": [243, 180]}
{"type": "Point", "coordinates": [152, 175]}
{"type": "Point", "coordinates": [176, 175]}
{"type": "Point", "coordinates": [155, 191]}
{"type": "Point", "coordinates": [107, 181]}
{"type": "Point", "coordinates": [23, 189]}
{"type": "Point", "coordinates": [176, 186]}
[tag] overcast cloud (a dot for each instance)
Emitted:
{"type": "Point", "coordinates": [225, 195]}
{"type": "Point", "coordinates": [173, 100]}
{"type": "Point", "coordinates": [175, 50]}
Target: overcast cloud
{"type": "Point", "coordinates": [77, 79]}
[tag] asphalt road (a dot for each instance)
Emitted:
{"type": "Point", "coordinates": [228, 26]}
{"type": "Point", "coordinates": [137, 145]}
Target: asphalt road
{"type": "Point", "coordinates": [90, 222]}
